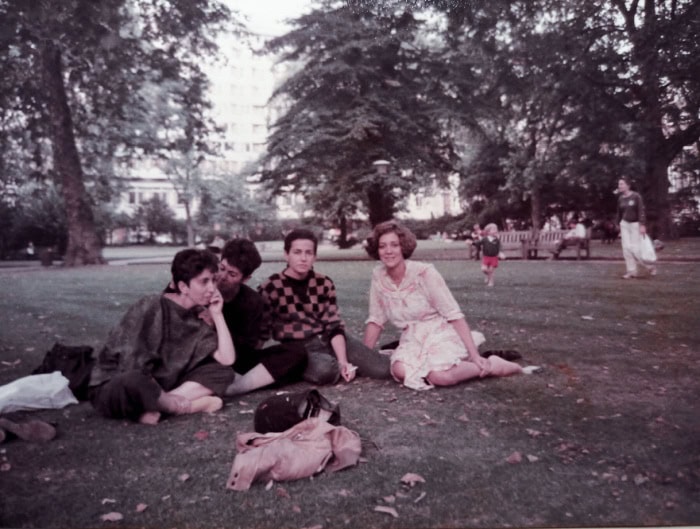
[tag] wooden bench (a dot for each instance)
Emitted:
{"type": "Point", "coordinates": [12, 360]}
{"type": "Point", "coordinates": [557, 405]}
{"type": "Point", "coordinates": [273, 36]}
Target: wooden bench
{"type": "Point", "coordinates": [549, 241]}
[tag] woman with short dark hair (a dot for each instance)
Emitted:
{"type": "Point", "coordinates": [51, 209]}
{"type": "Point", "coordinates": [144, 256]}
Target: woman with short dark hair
{"type": "Point", "coordinates": [162, 357]}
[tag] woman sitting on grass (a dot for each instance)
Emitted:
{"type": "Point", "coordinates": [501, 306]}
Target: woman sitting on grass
{"type": "Point", "coordinates": [162, 357]}
{"type": "Point", "coordinates": [436, 346]}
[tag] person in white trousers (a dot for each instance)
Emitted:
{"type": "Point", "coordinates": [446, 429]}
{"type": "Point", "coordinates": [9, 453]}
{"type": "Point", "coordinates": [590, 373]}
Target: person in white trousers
{"type": "Point", "coordinates": [631, 216]}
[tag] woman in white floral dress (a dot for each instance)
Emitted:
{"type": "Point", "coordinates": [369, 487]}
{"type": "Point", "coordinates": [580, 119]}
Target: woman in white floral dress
{"type": "Point", "coordinates": [437, 347]}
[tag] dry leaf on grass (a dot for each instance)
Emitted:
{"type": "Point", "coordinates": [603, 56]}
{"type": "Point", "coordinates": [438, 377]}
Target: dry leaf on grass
{"type": "Point", "coordinates": [141, 507]}
{"type": "Point", "coordinates": [387, 510]}
{"type": "Point", "coordinates": [411, 479]}
{"type": "Point", "coordinates": [201, 435]}
{"type": "Point", "coordinates": [112, 517]}
{"type": "Point", "coordinates": [532, 459]}
{"type": "Point", "coordinates": [420, 497]}
{"type": "Point", "coordinates": [105, 501]}
{"type": "Point", "coordinates": [282, 492]}
{"type": "Point", "coordinates": [183, 477]}
{"type": "Point", "coordinates": [389, 499]}
{"type": "Point", "coordinates": [515, 457]}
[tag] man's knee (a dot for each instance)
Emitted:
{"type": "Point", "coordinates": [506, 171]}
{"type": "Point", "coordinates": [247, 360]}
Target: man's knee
{"type": "Point", "coordinates": [321, 369]}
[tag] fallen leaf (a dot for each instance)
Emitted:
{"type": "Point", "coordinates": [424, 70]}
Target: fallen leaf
{"type": "Point", "coordinates": [296, 509]}
{"type": "Point", "coordinates": [387, 510]}
{"type": "Point", "coordinates": [344, 493]}
{"type": "Point", "coordinates": [515, 457]}
{"type": "Point", "coordinates": [141, 507]}
{"type": "Point", "coordinates": [4, 467]}
{"type": "Point", "coordinates": [105, 501]}
{"type": "Point", "coordinates": [112, 517]}
{"type": "Point", "coordinates": [533, 433]}
{"type": "Point", "coordinates": [484, 432]}
{"type": "Point", "coordinates": [411, 479]}
{"type": "Point", "coordinates": [269, 485]}
{"type": "Point", "coordinates": [282, 492]}
{"type": "Point", "coordinates": [463, 418]}
{"type": "Point", "coordinates": [201, 435]}
{"type": "Point", "coordinates": [389, 499]}
{"type": "Point", "coordinates": [532, 459]}
{"type": "Point", "coordinates": [183, 477]}
{"type": "Point", "coordinates": [640, 480]}
{"type": "Point", "coordinates": [420, 497]}
{"type": "Point", "coordinates": [11, 364]}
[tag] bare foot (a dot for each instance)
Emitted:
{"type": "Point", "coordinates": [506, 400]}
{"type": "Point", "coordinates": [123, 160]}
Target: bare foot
{"type": "Point", "coordinates": [174, 404]}
{"type": "Point", "coordinates": [208, 404]}
{"type": "Point", "coordinates": [150, 417]}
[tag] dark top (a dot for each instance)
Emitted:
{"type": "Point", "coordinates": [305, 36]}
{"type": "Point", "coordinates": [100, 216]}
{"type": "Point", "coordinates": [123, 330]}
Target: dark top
{"type": "Point", "coordinates": [631, 208]}
{"type": "Point", "coordinates": [157, 337]}
{"type": "Point", "coordinates": [243, 315]}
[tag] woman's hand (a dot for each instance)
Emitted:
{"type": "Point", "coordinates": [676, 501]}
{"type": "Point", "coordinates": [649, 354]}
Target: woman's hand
{"type": "Point", "coordinates": [348, 372]}
{"type": "Point", "coordinates": [216, 304]}
{"type": "Point", "coordinates": [482, 362]}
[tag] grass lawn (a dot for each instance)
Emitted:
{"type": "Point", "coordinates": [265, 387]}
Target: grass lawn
{"type": "Point", "coordinates": [608, 434]}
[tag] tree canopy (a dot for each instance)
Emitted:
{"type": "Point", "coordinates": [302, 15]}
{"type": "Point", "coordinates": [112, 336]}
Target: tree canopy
{"type": "Point", "coordinates": [77, 77]}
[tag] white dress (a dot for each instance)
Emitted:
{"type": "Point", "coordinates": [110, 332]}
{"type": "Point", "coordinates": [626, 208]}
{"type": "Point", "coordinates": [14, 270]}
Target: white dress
{"type": "Point", "coordinates": [422, 307]}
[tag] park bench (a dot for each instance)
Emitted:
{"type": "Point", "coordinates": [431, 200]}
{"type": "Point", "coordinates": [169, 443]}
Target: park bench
{"type": "Point", "coordinates": [514, 240]}
{"type": "Point", "coordinates": [547, 241]}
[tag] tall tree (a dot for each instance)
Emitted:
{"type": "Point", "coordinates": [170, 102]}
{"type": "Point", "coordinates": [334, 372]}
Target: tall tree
{"type": "Point", "coordinates": [358, 95]}
{"type": "Point", "coordinates": [79, 66]}
{"type": "Point", "coordinates": [580, 92]}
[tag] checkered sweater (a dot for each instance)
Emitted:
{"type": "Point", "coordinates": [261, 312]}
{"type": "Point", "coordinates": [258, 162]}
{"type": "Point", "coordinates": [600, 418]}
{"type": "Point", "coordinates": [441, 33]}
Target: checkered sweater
{"type": "Point", "coordinates": [296, 309]}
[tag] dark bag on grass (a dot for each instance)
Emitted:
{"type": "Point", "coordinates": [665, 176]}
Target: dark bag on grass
{"type": "Point", "coordinates": [74, 362]}
{"type": "Point", "coordinates": [281, 412]}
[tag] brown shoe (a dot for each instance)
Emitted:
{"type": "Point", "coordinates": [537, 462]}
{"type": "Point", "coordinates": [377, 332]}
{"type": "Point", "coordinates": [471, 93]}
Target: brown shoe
{"type": "Point", "coordinates": [32, 430]}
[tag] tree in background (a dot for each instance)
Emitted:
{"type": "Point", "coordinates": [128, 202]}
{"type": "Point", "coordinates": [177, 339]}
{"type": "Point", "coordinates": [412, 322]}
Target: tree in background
{"type": "Point", "coordinates": [565, 97]}
{"type": "Point", "coordinates": [358, 95]}
{"type": "Point", "coordinates": [156, 216]}
{"type": "Point", "coordinates": [72, 73]}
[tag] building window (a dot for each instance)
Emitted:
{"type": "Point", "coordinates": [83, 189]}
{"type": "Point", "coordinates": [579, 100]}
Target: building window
{"type": "Point", "coordinates": [132, 197]}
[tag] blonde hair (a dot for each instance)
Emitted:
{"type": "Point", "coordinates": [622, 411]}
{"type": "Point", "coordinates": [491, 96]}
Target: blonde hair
{"type": "Point", "coordinates": [491, 228]}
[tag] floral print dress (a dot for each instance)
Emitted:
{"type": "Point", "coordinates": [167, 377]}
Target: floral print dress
{"type": "Point", "coordinates": [422, 307]}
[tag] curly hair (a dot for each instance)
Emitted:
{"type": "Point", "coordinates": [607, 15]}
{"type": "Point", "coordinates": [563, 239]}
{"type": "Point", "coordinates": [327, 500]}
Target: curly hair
{"type": "Point", "coordinates": [188, 264]}
{"type": "Point", "coordinates": [407, 239]}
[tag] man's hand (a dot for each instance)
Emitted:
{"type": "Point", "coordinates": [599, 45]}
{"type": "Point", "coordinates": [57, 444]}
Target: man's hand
{"type": "Point", "coordinates": [348, 372]}
{"type": "Point", "coordinates": [642, 229]}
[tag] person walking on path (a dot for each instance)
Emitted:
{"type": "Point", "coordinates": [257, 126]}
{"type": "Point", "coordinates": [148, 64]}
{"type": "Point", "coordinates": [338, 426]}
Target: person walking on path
{"type": "Point", "coordinates": [631, 217]}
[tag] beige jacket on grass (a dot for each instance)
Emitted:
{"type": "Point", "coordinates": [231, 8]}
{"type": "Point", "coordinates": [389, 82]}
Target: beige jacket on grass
{"type": "Point", "coordinates": [303, 450]}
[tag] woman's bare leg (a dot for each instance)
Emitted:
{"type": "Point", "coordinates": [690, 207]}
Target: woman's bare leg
{"type": "Point", "coordinates": [398, 371]}
{"type": "Point", "coordinates": [463, 371]}
{"type": "Point", "coordinates": [258, 377]}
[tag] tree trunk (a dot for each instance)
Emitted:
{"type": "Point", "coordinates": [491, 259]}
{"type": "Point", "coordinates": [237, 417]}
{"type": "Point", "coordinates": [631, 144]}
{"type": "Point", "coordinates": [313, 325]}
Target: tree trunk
{"type": "Point", "coordinates": [380, 204]}
{"type": "Point", "coordinates": [343, 237]}
{"type": "Point", "coordinates": [188, 225]}
{"type": "Point", "coordinates": [84, 246]}
{"type": "Point", "coordinates": [535, 209]}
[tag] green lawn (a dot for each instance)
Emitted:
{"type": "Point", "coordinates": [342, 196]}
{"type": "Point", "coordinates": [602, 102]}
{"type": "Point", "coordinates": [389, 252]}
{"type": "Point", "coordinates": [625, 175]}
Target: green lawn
{"type": "Point", "coordinates": [608, 433]}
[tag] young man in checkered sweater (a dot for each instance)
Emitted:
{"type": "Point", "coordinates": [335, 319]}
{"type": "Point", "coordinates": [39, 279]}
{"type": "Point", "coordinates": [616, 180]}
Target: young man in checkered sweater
{"type": "Point", "coordinates": [300, 306]}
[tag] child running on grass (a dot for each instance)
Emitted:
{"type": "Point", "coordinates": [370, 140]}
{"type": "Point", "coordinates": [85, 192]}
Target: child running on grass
{"type": "Point", "coordinates": [491, 247]}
